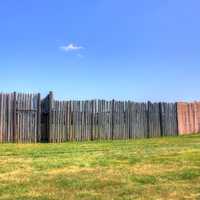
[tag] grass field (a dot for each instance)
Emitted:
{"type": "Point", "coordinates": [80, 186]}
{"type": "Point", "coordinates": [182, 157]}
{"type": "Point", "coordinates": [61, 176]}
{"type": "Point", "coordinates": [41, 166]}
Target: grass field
{"type": "Point", "coordinates": [165, 168]}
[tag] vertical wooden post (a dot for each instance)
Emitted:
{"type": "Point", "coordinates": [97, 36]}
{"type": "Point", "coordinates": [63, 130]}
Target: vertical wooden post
{"type": "Point", "coordinates": [129, 116]}
{"type": "Point", "coordinates": [38, 139]}
{"type": "Point", "coordinates": [92, 122]}
{"type": "Point", "coordinates": [7, 139]}
{"type": "Point", "coordinates": [148, 120]}
{"type": "Point", "coordinates": [161, 119]}
{"type": "Point", "coordinates": [14, 117]}
{"type": "Point", "coordinates": [113, 116]}
{"type": "Point", "coordinates": [177, 123]}
{"type": "Point", "coordinates": [50, 115]}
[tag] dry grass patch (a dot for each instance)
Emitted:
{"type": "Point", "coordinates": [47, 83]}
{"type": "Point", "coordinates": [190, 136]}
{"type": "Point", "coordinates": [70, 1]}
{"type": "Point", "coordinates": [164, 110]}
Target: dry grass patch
{"type": "Point", "coordinates": [153, 169]}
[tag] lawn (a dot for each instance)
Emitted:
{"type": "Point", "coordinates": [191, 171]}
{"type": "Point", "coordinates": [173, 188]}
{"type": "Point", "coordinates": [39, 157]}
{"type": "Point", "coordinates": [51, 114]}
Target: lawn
{"type": "Point", "coordinates": [163, 168]}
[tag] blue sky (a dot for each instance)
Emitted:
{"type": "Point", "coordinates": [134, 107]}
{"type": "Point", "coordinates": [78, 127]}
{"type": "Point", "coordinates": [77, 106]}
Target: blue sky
{"type": "Point", "coordinates": [131, 49]}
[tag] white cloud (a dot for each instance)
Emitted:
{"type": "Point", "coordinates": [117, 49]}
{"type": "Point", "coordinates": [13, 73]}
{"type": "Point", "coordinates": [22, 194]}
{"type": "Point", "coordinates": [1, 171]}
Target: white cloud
{"type": "Point", "coordinates": [80, 55]}
{"type": "Point", "coordinates": [71, 47]}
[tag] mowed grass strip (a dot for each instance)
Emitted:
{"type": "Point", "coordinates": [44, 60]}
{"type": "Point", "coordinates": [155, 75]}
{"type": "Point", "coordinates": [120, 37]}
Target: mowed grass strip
{"type": "Point", "coordinates": [161, 168]}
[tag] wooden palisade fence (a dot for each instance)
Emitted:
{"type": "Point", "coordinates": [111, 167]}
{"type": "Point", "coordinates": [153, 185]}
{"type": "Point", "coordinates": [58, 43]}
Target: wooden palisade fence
{"type": "Point", "coordinates": [28, 118]}
{"type": "Point", "coordinates": [20, 117]}
{"type": "Point", "coordinates": [101, 120]}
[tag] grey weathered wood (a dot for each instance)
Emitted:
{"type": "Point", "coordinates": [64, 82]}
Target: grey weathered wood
{"type": "Point", "coordinates": [14, 117]}
{"type": "Point", "coordinates": [39, 118]}
{"type": "Point", "coordinates": [22, 119]}
{"type": "Point", "coordinates": [50, 105]}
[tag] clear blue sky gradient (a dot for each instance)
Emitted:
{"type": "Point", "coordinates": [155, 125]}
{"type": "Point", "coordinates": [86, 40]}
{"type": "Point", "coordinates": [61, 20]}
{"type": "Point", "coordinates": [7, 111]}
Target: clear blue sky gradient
{"type": "Point", "coordinates": [133, 49]}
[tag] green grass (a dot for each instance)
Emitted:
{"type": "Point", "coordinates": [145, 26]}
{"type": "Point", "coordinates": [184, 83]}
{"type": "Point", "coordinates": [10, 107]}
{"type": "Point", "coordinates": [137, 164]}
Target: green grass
{"type": "Point", "coordinates": [163, 168]}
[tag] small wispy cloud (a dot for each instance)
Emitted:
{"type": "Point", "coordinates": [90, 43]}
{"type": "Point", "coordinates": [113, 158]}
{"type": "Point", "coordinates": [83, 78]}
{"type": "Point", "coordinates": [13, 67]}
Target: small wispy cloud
{"type": "Point", "coordinates": [71, 47]}
{"type": "Point", "coordinates": [80, 55]}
